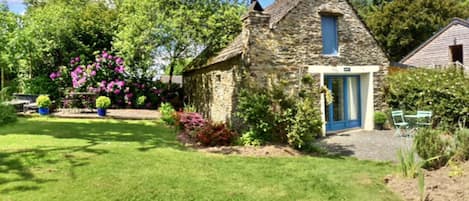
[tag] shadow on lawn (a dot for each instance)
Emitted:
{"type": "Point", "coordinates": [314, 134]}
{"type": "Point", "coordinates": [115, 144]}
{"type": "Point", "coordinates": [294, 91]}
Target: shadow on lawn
{"type": "Point", "coordinates": [20, 165]}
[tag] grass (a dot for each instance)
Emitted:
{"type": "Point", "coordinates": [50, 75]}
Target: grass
{"type": "Point", "coordinates": [63, 159]}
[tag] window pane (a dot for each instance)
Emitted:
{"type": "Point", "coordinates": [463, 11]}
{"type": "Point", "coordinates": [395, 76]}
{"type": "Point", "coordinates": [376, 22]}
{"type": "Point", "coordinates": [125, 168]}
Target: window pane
{"type": "Point", "coordinates": [338, 93]}
{"type": "Point", "coordinates": [329, 35]}
{"type": "Point", "coordinates": [353, 99]}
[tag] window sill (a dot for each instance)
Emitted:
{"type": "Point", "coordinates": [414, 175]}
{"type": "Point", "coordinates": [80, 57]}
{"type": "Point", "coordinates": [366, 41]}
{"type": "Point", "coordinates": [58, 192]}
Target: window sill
{"type": "Point", "coordinates": [330, 55]}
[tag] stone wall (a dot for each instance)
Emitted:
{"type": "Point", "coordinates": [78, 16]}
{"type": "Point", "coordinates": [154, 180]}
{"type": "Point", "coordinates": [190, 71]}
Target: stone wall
{"type": "Point", "coordinates": [283, 51]}
{"type": "Point", "coordinates": [296, 42]}
{"type": "Point", "coordinates": [213, 90]}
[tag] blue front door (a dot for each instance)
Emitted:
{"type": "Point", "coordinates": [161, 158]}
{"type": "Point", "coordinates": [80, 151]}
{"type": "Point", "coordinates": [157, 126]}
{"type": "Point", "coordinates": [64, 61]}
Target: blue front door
{"type": "Point", "coordinates": [345, 111]}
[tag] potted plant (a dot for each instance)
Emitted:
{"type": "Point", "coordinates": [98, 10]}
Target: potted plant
{"type": "Point", "coordinates": [380, 119]}
{"type": "Point", "coordinates": [43, 102]}
{"type": "Point", "coordinates": [102, 103]}
{"type": "Point", "coordinates": [141, 101]}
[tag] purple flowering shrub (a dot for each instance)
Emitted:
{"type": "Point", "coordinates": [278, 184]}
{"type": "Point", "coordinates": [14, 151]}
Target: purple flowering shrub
{"type": "Point", "coordinates": [107, 76]}
{"type": "Point", "coordinates": [190, 122]}
{"type": "Point", "coordinates": [197, 129]}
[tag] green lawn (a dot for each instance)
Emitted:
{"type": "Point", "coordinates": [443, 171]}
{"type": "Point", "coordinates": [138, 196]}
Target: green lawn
{"type": "Point", "coordinates": [63, 159]}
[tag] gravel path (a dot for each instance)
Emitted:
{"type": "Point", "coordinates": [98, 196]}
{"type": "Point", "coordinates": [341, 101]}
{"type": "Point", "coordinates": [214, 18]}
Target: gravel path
{"type": "Point", "coordinates": [366, 145]}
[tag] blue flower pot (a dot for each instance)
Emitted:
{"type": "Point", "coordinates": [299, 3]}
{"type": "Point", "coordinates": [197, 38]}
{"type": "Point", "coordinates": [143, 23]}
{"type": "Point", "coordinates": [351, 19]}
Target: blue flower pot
{"type": "Point", "coordinates": [43, 111]}
{"type": "Point", "coordinates": [102, 112]}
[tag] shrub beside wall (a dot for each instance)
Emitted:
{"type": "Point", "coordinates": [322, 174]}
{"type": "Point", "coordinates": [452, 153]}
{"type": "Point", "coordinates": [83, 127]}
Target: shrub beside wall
{"type": "Point", "coordinates": [273, 115]}
{"type": "Point", "coordinates": [7, 114]}
{"type": "Point", "coordinates": [445, 92]}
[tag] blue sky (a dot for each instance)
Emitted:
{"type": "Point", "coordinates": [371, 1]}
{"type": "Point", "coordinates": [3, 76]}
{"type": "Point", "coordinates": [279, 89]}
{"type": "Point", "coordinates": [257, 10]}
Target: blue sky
{"type": "Point", "coordinates": [17, 6]}
{"type": "Point", "coordinates": [266, 3]}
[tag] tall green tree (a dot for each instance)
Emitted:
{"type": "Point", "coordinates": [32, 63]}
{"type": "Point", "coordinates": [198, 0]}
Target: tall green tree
{"type": "Point", "coordinates": [169, 32]}
{"type": "Point", "coordinates": [57, 30]}
{"type": "Point", "coordinates": [402, 25]}
{"type": "Point", "coordinates": [8, 25]}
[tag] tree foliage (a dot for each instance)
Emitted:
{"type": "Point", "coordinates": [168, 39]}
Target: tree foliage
{"type": "Point", "coordinates": [402, 25]}
{"type": "Point", "coordinates": [8, 26]}
{"type": "Point", "coordinates": [173, 31]}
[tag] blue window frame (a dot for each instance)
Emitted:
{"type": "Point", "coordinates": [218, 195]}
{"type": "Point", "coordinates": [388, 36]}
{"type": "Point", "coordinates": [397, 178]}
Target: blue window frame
{"type": "Point", "coordinates": [341, 118]}
{"type": "Point", "coordinates": [330, 42]}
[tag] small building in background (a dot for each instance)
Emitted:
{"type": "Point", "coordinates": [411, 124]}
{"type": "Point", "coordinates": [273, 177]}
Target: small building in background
{"type": "Point", "coordinates": [448, 47]}
{"type": "Point", "coordinates": [177, 79]}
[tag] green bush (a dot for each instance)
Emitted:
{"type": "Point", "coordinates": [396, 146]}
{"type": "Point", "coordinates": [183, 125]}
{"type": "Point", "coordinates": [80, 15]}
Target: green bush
{"type": "Point", "coordinates": [462, 145]}
{"type": "Point", "coordinates": [272, 115]}
{"type": "Point", "coordinates": [380, 117]}
{"type": "Point", "coordinates": [249, 138]}
{"type": "Point", "coordinates": [7, 114]}
{"type": "Point", "coordinates": [445, 92]}
{"type": "Point", "coordinates": [167, 113]}
{"type": "Point", "coordinates": [43, 101]}
{"type": "Point", "coordinates": [255, 109]}
{"type": "Point", "coordinates": [432, 146]}
{"type": "Point", "coordinates": [306, 124]}
{"type": "Point", "coordinates": [103, 102]}
{"type": "Point", "coordinates": [141, 100]}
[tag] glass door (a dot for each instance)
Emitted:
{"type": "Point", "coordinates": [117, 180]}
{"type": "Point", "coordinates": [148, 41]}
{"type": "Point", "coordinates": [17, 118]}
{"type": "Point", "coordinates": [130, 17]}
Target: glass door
{"type": "Point", "coordinates": [345, 111]}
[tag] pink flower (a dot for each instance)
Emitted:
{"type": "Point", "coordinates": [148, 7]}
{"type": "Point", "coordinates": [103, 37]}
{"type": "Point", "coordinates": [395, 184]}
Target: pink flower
{"type": "Point", "coordinates": [105, 55]}
{"type": "Point", "coordinates": [103, 84]}
{"type": "Point", "coordinates": [119, 61]}
{"type": "Point", "coordinates": [93, 73]}
{"type": "Point", "coordinates": [53, 76]}
{"type": "Point", "coordinates": [117, 91]}
{"type": "Point", "coordinates": [120, 83]}
{"type": "Point", "coordinates": [119, 69]}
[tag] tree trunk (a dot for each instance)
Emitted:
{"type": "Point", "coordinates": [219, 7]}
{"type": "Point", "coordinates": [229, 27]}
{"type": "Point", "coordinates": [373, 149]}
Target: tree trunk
{"type": "Point", "coordinates": [171, 72]}
{"type": "Point", "coordinates": [2, 79]}
{"type": "Point", "coordinates": [2, 84]}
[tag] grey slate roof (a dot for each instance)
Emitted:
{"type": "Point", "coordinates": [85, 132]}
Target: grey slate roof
{"type": "Point", "coordinates": [280, 9]}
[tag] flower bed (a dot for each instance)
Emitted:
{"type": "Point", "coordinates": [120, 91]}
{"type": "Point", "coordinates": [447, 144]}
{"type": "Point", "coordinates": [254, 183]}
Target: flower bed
{"type": "Point", "coordinates": [107, 76]}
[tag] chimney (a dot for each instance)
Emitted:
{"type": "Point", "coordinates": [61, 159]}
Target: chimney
{"type": "Point", "coordinates": [255, 16]}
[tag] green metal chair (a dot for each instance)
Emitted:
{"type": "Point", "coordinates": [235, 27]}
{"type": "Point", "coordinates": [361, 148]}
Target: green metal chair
{"type": "Point", "coordinates": [399, 122]}
{"type": "Point", "coordinates": [424, 118]}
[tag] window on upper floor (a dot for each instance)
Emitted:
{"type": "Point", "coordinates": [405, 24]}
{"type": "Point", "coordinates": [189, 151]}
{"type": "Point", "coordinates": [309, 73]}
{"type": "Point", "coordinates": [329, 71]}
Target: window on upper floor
{"type": "Point", "coordinates": [330, 39]}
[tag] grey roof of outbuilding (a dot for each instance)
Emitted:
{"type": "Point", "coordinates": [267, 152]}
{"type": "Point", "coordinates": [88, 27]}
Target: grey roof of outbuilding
{"type": "Point", "coordinates": [454, 22]}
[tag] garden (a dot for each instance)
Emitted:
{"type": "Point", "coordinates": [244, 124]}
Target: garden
{"type": "Point", "coordinates": [107, 159]}
{"type": "Point", "coordinates": [440, 172]}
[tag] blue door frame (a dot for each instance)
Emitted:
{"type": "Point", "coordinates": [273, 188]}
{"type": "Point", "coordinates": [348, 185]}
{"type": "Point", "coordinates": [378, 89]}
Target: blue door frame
{"type": "Point", "coordinates": [347, 123]}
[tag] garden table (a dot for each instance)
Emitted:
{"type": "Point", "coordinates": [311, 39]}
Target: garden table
{"type": "Point", "coordinates": [413, 120]}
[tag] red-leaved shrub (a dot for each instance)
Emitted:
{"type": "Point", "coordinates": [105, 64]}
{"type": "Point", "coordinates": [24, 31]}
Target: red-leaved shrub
{"type": "Point", "coordinates": [214, 134]}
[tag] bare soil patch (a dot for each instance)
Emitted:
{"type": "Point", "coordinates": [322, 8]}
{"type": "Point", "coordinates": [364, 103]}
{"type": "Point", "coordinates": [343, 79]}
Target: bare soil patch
{"type": "Point", "coordinates": [439, 185]}
{"type": "Point", "coordinates": [261, 151]}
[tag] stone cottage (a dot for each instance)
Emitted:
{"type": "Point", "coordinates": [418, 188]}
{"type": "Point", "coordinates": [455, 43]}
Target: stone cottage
{"type": "Point", "coordinates": [450, 45]}
{"type": "Point", "coordinates": [325, 38]}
